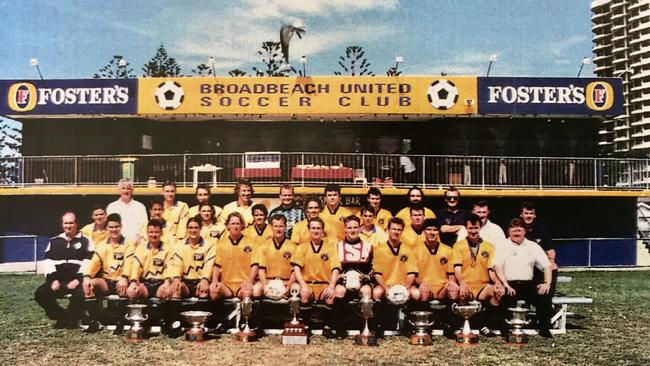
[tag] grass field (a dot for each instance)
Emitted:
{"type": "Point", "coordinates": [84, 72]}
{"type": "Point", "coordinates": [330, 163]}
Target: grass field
{"type": "Point", "coordinates": [615, 330]}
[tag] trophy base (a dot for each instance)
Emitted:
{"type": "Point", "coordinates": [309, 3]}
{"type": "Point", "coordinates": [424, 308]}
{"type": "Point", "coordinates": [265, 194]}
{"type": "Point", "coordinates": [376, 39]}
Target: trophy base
{"type": "Point", "coordinates": [365, 340]}
{"type": "Point", "coordinates": [517, 339]}
{"type": "Point", "coordinates": [421, 340]}
{"type": "Point", "coordinates": [294, 334]}
{"type": "Point", "coordinates": [195, 336]}
{"type": "Point", "coordinates": [463, 340]}
{"type": "Point", "coordinates": [246, 337]}
{"type": "Point", "coordinates": [134, 336]}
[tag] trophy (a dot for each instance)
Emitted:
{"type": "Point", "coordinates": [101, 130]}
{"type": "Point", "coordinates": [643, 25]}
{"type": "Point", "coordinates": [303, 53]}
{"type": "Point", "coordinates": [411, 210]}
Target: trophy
{"type": "Point", "coordinates": [196, 318]}
{"type": "Point", "coordinates": [466, 337]}
{"type": "Point", "coordinates": [135, 314]}
{"type": "Point", "coordinates": [421, 323]}
{"type": "Point", "coordinates": [517, 337]}
{"type": "Point", "coordinates": [294, 330]}
{"type": "Point", "coordinates": [366, 338]}
{"type": "Point", "coordinates": [246, 308]}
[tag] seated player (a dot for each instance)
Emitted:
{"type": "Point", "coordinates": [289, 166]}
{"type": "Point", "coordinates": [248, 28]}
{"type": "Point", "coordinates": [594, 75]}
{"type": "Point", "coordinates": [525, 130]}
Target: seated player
{"type": "Point", "coordinates": [233, 275]}
{"type": "Point", "coordinates": [392, 262]}
{"type": "Point", "coordinates": [66, 257]}
{"type": "Point", "coordinates": [435, 265]}
{"type": "Point", "coordinates": [515, 266]}
{"type": "Point", "coordinates": [414, 233]}
{"type": "Point", "coordinates": [370, 232]}
{"type": "Point", "coordinates": [175, 212]}
{"type": "Point", "coordinates": [108, 270]}
{"type": "Point", "coordinates": [96, 231]}
{"type": "Point", "coordinates": [274, 255]}
{"type": "Point", "coordinates": [260, 230]}
{"type": "Point", "coordinates": [210, 229]}
{"type": "Point", "coordinates": [473, 269]}
{"type": "Point", "coordinates": [191, 265]}
{"type": "Point", "coordinates": [317, 267]}
{"type": "Point", "coordinates": [334, 214]}
{"type": "Point", "coordinates": [149, 276]}
{"type": "Point", "coordinates": [313, 208]}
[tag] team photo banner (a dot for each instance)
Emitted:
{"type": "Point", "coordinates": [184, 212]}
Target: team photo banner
{"type": "Point", "coordinates": [317, 95]}
{"type": "Point", "coordinates": [80, 96]}
{"type": "Point", "coordinates": [550, 96]}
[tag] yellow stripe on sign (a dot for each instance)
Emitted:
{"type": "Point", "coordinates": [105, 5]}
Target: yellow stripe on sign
{"type": "Point", "coordinates": [318, 95]}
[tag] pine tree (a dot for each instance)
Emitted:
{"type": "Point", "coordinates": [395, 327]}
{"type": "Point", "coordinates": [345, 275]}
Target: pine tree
{"type": "Point", "coordinates": [161, 65]}
{"type": "Point", "coordinates": [11, 141]}
{"type": "Point", "coordinates": [116, 68]}
{"type": "Point", "coordinates": [236, 73]}
{"type": "Point", "coordinates": [272, 60]}
{"type": "Point", "coordinates": [202, 70]}
{"type": "Point", "coordinates": [354, 64]}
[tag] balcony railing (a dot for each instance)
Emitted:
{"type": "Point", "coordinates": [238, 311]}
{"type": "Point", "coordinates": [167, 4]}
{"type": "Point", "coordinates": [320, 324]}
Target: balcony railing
{"type": "Point", "coordinates": [354, 169]}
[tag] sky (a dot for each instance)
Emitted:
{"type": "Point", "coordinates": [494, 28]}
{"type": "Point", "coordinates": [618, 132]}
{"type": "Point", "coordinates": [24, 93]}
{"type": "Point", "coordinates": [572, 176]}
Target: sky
{"type": "Point", "coordinates": [73, 39]}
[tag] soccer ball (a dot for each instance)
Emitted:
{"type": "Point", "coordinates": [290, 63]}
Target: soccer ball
{"type": "Point", "coordinates": [275, 289]}
{"type": "Point", "coordinates": [352, 280]}
{"type": "Point", "coordinates": [398, 294]}
{"type": "Point", "coordinates": [169, 95]}
{"type": "Point", "coordinates": [442, 94]}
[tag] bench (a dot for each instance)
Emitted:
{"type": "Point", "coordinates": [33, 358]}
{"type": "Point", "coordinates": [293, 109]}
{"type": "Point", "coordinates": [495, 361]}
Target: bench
{"type": "Point", "coordinates": [562, 310]}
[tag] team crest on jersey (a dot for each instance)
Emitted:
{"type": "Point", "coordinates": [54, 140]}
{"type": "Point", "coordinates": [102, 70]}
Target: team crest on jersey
{"type": "Point", "coordinates": [198, 256]}
{"type": "Point", "coordinates": [158, 262]}
{"type": "Point", "coordinates": [485, 254]}
{"type": "Point", "coordinates": [443, 260]}
{"type": "Point", "coordinates": [324, 257]}
{"type": "Point", "coordinates": [403, 258]}
{"type": "Point", "coordinates": [77, 245]}
{"type": "Point", "coordinates": [118, 256]}
{"type": "Point", "coordinates": [214, 234]}
{"type": "Point", "coordinates": [381, 221]}
{"type": "Point", "coordinates": [248, 249]}
{"type": "Point", "coordinates": [286, 255]}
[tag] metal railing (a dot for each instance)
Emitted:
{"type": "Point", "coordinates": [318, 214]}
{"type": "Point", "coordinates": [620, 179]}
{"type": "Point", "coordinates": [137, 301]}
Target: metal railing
{"type": "Point", "coordinates": [346, 169]}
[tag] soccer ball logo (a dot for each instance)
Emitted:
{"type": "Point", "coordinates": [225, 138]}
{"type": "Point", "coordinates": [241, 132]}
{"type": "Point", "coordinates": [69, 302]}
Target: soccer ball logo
{"type": "Point", "coordinates": [170, 95]}
{"type": "Point", "coordinates": [442, 94]}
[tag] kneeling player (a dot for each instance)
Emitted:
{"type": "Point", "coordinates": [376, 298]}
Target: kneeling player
{"type": "Point", "coordinates": [149, 276]}
{"type": "Point", "coordinates": [435, 266]}
{"type": "Point", "coordinates": [233, 274]}
{"type": "Point", "coordinates": [107, 272]}
{"type": "Point", "coordinates": [274, 256]}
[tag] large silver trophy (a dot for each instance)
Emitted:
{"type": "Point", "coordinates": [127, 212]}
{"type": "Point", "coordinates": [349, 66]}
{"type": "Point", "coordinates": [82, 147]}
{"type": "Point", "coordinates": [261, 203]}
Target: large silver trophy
{"type": "Point", "coordinates": [421, 324]}
{"type": "Point", "coordinates": [466, 337]}
{"type": "Point", "coordinates": [135, 314]}
{"type": "Point", "coordinates": [517, 336]}
{"type": "Point", "coordinates": [294, 331]}
{"type": "Point", "coordinates": [197, 319]}
{"type": "Point", "coordinates": [366, 338]}
{"type": "Point", "coordinates": [246, 334]}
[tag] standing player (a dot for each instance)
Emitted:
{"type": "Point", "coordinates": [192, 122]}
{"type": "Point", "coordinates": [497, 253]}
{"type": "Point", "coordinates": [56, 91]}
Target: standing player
{"type": "Point", "coordinates": [540, 235]}
{"type": "Point", "coordinates": [451, 217]}
{"type": "Point", "coordinates": [175, 212]}
{"type": "Point", "coordinates": [381, 215]}
{"type": "Point", "coordinates": [133, 213]}
{"type": "Point", "coordinates": [242, 205]}
{"type": "Point", "coordinates": [108, 270]}
{"type": "Point", "coordinates": [288, 208]}
{"type": "Point", "coordinates": [260, 230]}
{"type": "Point", "coordinates": [96, 231]}
{"type": "Point", "coordinates": [489, 230]}
{"type": "Point", "coordinates": [334, 214]}
{"type": "Point", "coordinates": [370, 232]}
{"type": "Point", "coordinates": [66, 258]}
{"type": "Point", "coordinates": [210, 230]}
{"type": "Point", "coordinates": [274, 255]}
{"type": "Point", "coordinates": [414, 195]}
{"type": "Point", "coordinates": [413, 234]}
{"type": "Point", "coordinates": [313, 208]}
{"type": "Point", "coordinates": [156, 210]}
{"type": "Point", "coordinates": [233, 274]}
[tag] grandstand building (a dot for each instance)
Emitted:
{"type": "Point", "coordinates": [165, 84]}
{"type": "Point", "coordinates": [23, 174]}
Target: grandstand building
{"type": "Point", "coordinates": [621, 46]}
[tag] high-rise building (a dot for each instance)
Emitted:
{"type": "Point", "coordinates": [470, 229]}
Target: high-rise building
{"type": "Point", "coordinates": [621, 46]}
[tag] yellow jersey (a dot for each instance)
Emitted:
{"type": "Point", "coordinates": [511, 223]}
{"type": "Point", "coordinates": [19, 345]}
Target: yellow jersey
{"type": "Point", "coordinates": [234, 260]}
{"type": "Point", "coordinates": [393, 264]}
{"type": "Point", "coordinates": [475, 262]}
{"type": "Point", "coordinates": [433, 264]}
{"type": "Point", "coordinates": [334, 220]}
{"type": "Point", "coordinates": [317, 264]}
{"type": "Point", "coordinates": [275, 258]}
{"type": "Point", "coordinates": [405, 214]}
{"type": "Point", "coordinates": [111, 260]}
{"type": "Point", "coordinates": [192, 261]}
{"type": "Point", "coordinates": [150, 263]}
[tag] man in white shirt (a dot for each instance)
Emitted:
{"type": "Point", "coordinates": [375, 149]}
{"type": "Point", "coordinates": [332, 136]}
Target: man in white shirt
{"type": "Point", "coordinates": [132, 212]}
{"type": "Point", "coordinates": [514, 266]}
{"type": "Point", "coordinates": [490, 231]}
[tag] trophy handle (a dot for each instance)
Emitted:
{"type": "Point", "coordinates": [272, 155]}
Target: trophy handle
{"type": "Point", "coordinates": [454, 306]}
{"type": "Point", "coordinates": [126, 316]}
{"type": "Point", "coordinates": [411, 322]}
{"type": "Point", "coordinates": [508, 321]}
{"type": "Point", "coordinates": [145, 317]}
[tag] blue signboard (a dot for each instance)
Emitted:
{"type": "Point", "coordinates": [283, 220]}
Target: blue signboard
{"type": "Point", "coordinates": [52, 97]}
{"type": "Point", "coordinates": [550, 96]}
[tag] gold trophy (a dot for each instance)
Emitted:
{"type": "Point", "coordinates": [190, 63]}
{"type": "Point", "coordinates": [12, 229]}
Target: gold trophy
{"type": "Point", "coordinates": [294, 330]}
{"type": "Point", "coordinates": [196, 318]}
{"type": "Point", "coordinates": [421, 323]}
{"type": "Point", "coordinates": [466, 337]}
{"type": "Point", "coordinates": [366, 338]}
{"type": "Point", "coordinates": [135, 314]}
{"type": "Point", "coordinates": [246, 309]}
{"type": "Point", "coordinates": [516, 336]}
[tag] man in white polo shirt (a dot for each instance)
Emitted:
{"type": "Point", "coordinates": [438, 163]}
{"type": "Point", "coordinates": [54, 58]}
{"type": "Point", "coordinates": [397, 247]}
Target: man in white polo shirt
{"type": "Point", "coordinates": [132, 212]}
{"type": "Point", "coordinates": [490, 231]}
{"type": "Point", "coordinates": [514, 266]}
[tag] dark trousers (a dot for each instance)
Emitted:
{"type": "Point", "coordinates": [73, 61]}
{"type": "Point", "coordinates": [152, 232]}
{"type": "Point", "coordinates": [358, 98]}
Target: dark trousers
{"type": "Point", "coordinates": [538, 277]}
{"type": "Point", "coordinates": [46, 298]}
{"type": "Point", "coordinates": [527, 291]}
